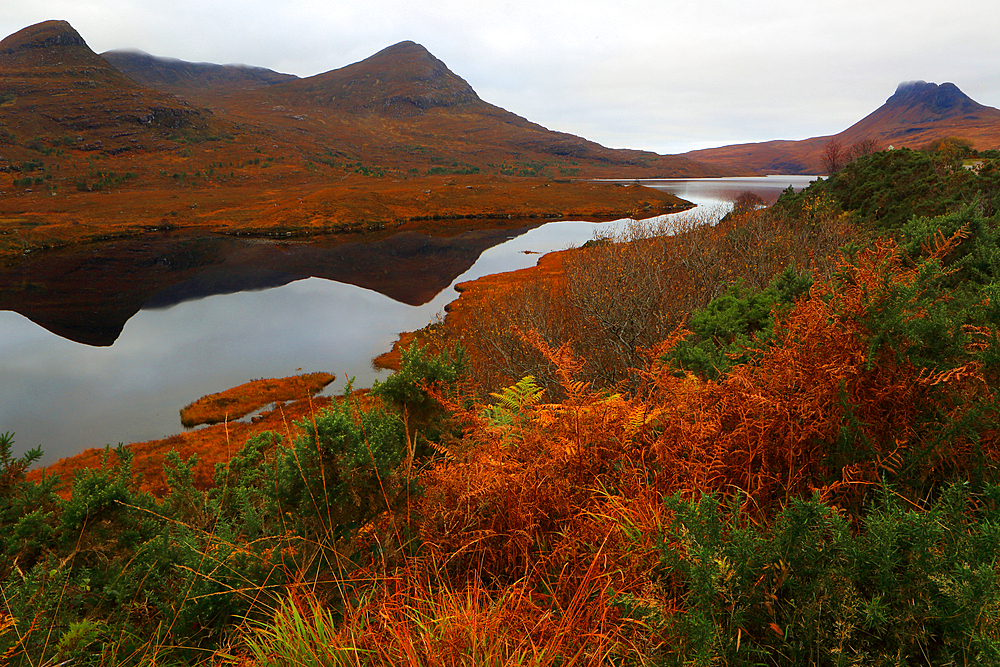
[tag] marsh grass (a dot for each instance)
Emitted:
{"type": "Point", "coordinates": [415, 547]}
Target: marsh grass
{"type": "Point", "coordinates": [625, 292]}
{"type": "Point", "coordinates": [420, 621]}
{"type": "Point", "coordinates": [236, 402]}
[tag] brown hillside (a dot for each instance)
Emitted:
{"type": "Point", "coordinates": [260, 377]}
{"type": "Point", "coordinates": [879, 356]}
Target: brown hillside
{"type": "Point", "coordinates": [914, 116]}
{"type": "Point", "coordinates": [400, 80]}
{"type": "Point", "coordinates": [395, 141]}
{"type": "Point", "coordinates": [52, 85]}
{"type": "Point", "coordinates": [403, 107]}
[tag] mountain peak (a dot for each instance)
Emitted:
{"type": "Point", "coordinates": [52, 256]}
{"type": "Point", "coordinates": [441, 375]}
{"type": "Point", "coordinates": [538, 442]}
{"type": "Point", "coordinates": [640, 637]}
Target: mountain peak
{"type": "Point", "coordinates": [909, 86]}
{"type": "Point", "coordinates": [915, 115]}
{"type": "Point", "coordinates": [406, 46]}
{"type": "Point", "coordinates": [417, 77]}
{"type": "Point", "coordinates": [931, 100]}
{"type": "Point", "coordinates": [57, 86]}
{"type": "Point", "coordinates": [404, 78]}
{"type": "Point", "coordinates": [45, 35]}
{"type": "Point", "coordinates": [47, 44]}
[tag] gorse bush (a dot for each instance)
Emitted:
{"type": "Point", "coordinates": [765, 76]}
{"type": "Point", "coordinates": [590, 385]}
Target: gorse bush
{"type": "Point", "coordinates": [910, 585]}
{"type": "Point", "coordinates": [175, 576]}
{"type": "Point", "coordinates": [340, 475]}
{"type": "Point", "coordinates": [888, 188]}
{"type": "Point", "coordinates": [737, 324]}
{"type": "Point", "coordinates": [411, 390]}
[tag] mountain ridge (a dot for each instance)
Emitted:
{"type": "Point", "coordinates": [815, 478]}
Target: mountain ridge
{"type": "Point", "coordinates": [190, 79]}
{"type": "Point", "coordinates": [402, 75]}
{"type": "Point", "coordinates": [55, 85]}
{"type": "Point", "coordinates": [418, 101]}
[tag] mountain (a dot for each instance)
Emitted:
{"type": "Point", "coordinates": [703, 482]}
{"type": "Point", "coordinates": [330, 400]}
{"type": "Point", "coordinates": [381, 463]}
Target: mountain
{"type": "Point", "coordinates": [405, 86]}
{"type": "Point", "coordinates": [90, 152]}
{"type": "Point", "coordinates": [402, 79]}
{"type": "Point", "coordinates": [919, 112]}
{"type": "Point", "coordinates": [401, 107]}
{"type": "Point", "coordinates": [914, 116]}
{"type": "Point", "coordinates": [52, 84]}
{"type": "Point", "coordinates": [194, 81]}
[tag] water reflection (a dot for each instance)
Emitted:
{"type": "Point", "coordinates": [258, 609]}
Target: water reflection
{"type": "Point", "coordinates": [723, 191]}
{"type": "Point", "coordinates": [194, 333]}
{"type": "Point", "coordinates": [88, 293]}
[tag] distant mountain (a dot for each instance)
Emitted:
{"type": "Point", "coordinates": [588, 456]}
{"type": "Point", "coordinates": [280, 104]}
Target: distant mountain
{"type": "Point", "coordinates": [401, 109]}
{"type": "Point", "coordinates": [915, 115]}
{"type": "Point", "coordinates": [919, 112]}
{"type": "Point", "coordinates": [191, 80]}
{"type": "Point", "coordinates": [52, 84]}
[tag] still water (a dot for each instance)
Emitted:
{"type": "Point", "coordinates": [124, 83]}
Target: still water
{"type": "Point", "coordinates": [202, 334]}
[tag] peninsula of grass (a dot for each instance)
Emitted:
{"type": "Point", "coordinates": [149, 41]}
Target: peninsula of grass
{"type": "Point", "coordinates": [242, 400]}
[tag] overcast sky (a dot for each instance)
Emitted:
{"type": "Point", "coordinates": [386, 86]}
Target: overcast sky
{"type": "Point", "coordinates": [661, 75]}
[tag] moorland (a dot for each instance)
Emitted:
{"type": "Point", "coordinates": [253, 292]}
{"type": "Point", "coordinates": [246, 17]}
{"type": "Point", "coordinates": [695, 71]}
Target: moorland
{"type": "Point", "coordinates": [89, 153]}
{"type": "Point", "coordinates": [769, 438]}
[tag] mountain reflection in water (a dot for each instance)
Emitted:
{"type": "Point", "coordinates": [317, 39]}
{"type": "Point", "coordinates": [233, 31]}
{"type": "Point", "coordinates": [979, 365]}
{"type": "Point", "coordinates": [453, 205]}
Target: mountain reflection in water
{"type": "Point", "coordinates": [88, 293]}
{"type": "Point", "coordinates": [135, 329]}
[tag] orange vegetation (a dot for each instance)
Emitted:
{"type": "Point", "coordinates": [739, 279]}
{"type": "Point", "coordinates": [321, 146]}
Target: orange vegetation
{"type": "Point", "coordinates": [287, 200]}
{"type": "Point", "coordinates": [240, 401]}
{"type": "Point", "coordinates": [614, 297]}
{"type": "Point", "coordinates": [480, 290]}
{"type": "Point", "coordinates": [592, 469]}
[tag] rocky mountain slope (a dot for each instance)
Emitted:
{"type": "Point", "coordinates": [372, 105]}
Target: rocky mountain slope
{"type": "Point", "coordinates": [401, 108]}
{"type": "Point", "coordinates": [90, 152]}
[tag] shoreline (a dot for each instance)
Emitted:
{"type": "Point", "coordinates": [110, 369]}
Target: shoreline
{"type": "Point", "coordinates": [33, 222]}
{"type": "Point", "coordinates": [217, 442]}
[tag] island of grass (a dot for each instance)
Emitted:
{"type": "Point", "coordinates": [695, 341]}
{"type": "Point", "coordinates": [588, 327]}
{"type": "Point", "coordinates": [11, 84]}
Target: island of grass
{"type": "Point", "coordinates": [242, 400]}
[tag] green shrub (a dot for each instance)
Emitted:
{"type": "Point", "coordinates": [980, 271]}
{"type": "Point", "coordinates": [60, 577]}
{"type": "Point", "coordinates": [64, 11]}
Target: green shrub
{"type": "Point", "coordinates": [736, 325]}
{"type": "Point", "coordinates": [975, 260]}
{"type": "Point", "coordinates": [908, 585]}
{"type": "Point", "coordinates": [888, 188]}
{"type": "Point", "coordinates": [419, 371]}
{"type": "Point", "coordinates": [340, 475]}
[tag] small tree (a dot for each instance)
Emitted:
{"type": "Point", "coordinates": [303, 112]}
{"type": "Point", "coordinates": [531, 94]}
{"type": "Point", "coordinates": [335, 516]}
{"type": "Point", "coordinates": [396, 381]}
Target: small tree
{"type": "Point", "coordinates": [833, 156]}
{"type": "Point", "coordinates": [862, 148]}
{"type": "Point", "coordinates": [748, 202]}
{"type": "Point", "coordinates": [951, 150]}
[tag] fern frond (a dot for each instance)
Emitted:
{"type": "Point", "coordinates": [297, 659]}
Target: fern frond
{"type": "Point", "coordinates": [512, 401]}
{"type": "Point", "coordinates": [442, 449]}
